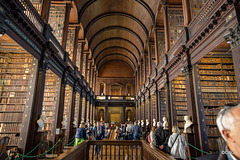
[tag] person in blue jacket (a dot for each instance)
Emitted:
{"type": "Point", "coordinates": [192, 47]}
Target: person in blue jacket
{"type": "Point", "coordinates": [136, 131]}
{"type": "Point", "coordinates": [81, 135]}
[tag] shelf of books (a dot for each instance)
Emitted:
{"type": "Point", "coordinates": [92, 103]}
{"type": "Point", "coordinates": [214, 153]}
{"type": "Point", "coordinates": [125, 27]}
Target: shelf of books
{"type": "Point", "coordinates": [143, 109]}
{"type": "Point", "coordinates": [50, 100]}
{"type": "Point", "coordinates": [87, 111]}
{"type": "Point", "coordinates": [153, 108]}
{"type": "Point", "coordinates": [162, 102]}
{"type": "Point", "coordinates": [146, 109]}
{"type": "Point", "coordinates": [70, 42]}
{"type": "Point", "coordinates": [78, 56]}
{"type": "Point", "coordinates": [196, 6]}
{"type": "Point", "coordinates": [67, 108]}
{"type": "Point", "coordinates": [179, 100]}
{"type": "Point", "coordinates": [218, 87]}
{"type": "Point", "coordinates": [77, 107]}
{"type": "Point", "coordinates": [83, 108]}
{"type": "Point", "coordinates": [15, 71]}
{"type": "Point", "coordinates": [56, 20]}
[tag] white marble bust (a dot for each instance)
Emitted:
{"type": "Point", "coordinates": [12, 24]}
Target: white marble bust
{"type": "Point", "coordinates": [75, 122]}
{"type": "Point", "coordinates": [147, 122]}
{"type": "Point", "coordinates": [64, 122]}
{"type": "Point", "coordinates": [40, 122]}
{"type": "Point", "coordinates": [154, 122]}
{"type": "Point", "coordinates": [139, 122]}
{"type": "Point", "coordinates": [187, 126]}
{"type": "Point", "coordinates": [142, 123]}
{"type": "Point", "coordinates": [165, 123]}
{"type": "Point", "coordinates": [159, 124]}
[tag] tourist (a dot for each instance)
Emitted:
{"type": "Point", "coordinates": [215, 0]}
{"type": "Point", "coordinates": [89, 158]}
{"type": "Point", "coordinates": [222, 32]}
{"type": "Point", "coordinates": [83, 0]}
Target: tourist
{"type": "Point", "coordinates": [98, 135]}
{"type": "Point", "coordinates": [89, 131]}
{"type": "Point", "coordinates": [151, 139]}
{"type": "Point", "coordinates": [178, 144]}
{"type": "Point", "coordinates": [81, 135]}
{"type": "Point", "coordinates": [117, 133]}
{"type": "Point", "coordinates": [103, 129]}
{"type": "Point", "coordinates": [124, 132]}
{"type": "Point", "coordinates": [228, 122]}
{"type": "Point", "coordinates": [107, 133]}
{"type": "Point", "coordinates": [161, 139]}
{"type": "Point", "coordinates": [129, 131]}
{"type": "Point", "coordinates": [136, 131]}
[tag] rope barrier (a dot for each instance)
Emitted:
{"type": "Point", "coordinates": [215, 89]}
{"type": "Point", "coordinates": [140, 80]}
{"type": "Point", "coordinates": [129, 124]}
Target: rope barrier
{"type": "Point", "coordinates": [69, 143]}
{"type": "Point", "coordinates": [191, 157]}
{"type": "Point", "coordinates": [7, 157]}
{"type": "Point", "coordinates": [197, 148]}
{"type": "Point", "coordinates": [25, 156]}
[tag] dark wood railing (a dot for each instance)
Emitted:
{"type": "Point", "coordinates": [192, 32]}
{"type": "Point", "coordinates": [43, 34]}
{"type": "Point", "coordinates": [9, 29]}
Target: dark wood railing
{"type": "Point", "coordinates": [130, 150]}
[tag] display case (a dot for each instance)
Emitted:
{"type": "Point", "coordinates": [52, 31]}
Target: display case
{"type": "Point", "coordinates": [179, 101]}
{"type": "Point", "coordinates": [15, 71]}
{"type": "Point", "coordinates": [218, 88]}
{"type": "Point", "coordinates": [50, 100]}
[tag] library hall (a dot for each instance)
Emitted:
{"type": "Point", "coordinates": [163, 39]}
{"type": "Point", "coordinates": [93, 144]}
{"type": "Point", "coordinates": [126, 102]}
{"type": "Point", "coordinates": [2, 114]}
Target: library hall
{"type": "Point", "coordinates": [119, 79]}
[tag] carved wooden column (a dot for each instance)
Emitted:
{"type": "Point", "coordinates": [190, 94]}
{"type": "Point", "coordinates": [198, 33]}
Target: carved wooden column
{"type": "Point", "coordinates": [81, 59]}
{"type": "Point", "coordinates": [156, 46]}
{"type": "Point", "coordinates": [90, 72]}
{"type": "Point", "coordinates": [28, 139]}
{"type": "Point", "coordinates": [124, 114]}
{"type": "Point", "coordinates": [149, 108]}
{"type": "Point", "coordinates": [166, 28]}
{"type": "Point", "coordinates": [72, 112]}
{"type": "Point", "coordinates": [66, 23]}
{"type": "Point", "coordinates": [186, 12]}
{"type": "Point", "coordinates": [149, 59]}
{"type": "Point", "coordinates": [234, 38]}
{"type": "Point", "coordinates": [191, 104]}
{"type": "Point", "coordinates": [143, 110]}
{"type": "Point", "coordinates": [75, 46]}
{"type": "Point", "coordinates": [168, 102]}
{"type": "Point", "coordinates": [106, 114]}
{"type": "Point", "coordinates": [45, 10]}
{"type": "Point", "coordinates": [86, 66]}
{"type": "Point", "coordinates": [145, 66]}
{"type": "Point", "coordinates": [80, 109]}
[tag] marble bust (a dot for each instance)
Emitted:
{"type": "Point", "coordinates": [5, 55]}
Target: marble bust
{"type": "Point", "coordinates": [147, 122]}
{"type": "Point", "coordinates": [187, 125]}
{"type": "Point", "coordinates": [139, 122]}
{"type": "Point", "coordinates": [40, 122]}
{"type": "Point", "coordinates": [75, 122]}
{"type": "Point", "coordinates": [142, 123]}
{"type": "Point", "coordinates": [165, 123]}
{"type": "Point", "coordinates": [64, 122]}
{"type": "Point", "coordinates": [154, 122]}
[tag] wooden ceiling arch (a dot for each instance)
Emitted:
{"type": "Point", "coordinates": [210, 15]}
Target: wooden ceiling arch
{"type": "Point", "coordinates": [116, 55]}
{"type": "Point", "coordinates": [117, 28]}
{"type": "Point", "coordinates": [116, 48]}
{"type": "Point", "coordinates": [116, 38]}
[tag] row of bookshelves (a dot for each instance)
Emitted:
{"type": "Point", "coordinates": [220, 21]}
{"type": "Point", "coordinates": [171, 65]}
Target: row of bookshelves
{"type": "Point", "coordinates": [13, 82]}
{"type": "Point", "coordinates": [214, 66]}
{"type": "Point", "coordinates": [15, 107]}
{"type": "Point", "coordinates": [14, 127]}
{"type": "Point", "coordinates": [13, 100]}
{"type": "Point", "coordinates": [205, 83]}
{"type": "Point", "coordinates": [11, 117]}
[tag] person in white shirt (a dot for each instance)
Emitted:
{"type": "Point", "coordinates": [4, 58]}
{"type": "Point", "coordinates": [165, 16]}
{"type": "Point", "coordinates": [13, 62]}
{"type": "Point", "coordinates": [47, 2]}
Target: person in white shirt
{"type": "Point", "coordinates": [177, 143]}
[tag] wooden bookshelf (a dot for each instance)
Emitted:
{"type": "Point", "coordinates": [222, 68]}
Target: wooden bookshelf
{"type": "Point", "coordinates": [153, 107]}
{"type": "Point", "coordinates": [77, 107]}
{"type": "Point", "coordinates": [67, 107]}
{"type": "Point", "coordinates": [162, 102]}
{"type": "Point", "coordinates": [15, 71]}
{"type": "Point", "coordinates": [218, 88]}
{"type": "Point", "coordinates": [179, 100]}
{"type": "Point", "coordinates": [70, 42]}
{"type": "Point", "coordinates": [50, 100]}
{"type": "Point", "coordinates": [83, 108]}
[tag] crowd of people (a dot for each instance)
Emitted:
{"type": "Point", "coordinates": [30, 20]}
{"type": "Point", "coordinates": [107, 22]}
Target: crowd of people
{"type": "Point", "coordinates": [228, 122]}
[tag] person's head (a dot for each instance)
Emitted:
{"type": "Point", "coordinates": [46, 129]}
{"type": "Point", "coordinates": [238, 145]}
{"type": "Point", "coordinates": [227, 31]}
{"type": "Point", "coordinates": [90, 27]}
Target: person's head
{"type": "Point", "coordinates": [228, 122]}
{"type": "Point", "coordinates": [135, 123]}
{"type": "Point", "coordinates": [82, 125]}
{"type": "Point", "coordinates": [175, 129]}
{"type": "Point", "coordinates": [153, 129]}
{"type": "Point", "coordinates": [117, 127]}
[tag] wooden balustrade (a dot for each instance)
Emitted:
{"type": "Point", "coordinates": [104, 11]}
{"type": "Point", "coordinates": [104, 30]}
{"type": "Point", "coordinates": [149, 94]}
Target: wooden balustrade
{"type": "Point", "coordinates": [33, 15]}
{"type": "Point", "coordinates": [131, 150]}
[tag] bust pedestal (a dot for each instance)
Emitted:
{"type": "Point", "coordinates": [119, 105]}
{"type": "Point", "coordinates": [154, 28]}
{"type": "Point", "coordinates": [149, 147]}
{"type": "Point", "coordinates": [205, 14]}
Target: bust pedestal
{"type": "Point", "coordinates": [59, 149]}
{"type": "Point", "coordinates": [41, 136]}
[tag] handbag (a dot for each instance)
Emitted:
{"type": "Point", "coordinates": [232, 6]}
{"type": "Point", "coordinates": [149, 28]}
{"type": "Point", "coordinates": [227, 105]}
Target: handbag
{"type": "Point", "coordinates": [169, 149]}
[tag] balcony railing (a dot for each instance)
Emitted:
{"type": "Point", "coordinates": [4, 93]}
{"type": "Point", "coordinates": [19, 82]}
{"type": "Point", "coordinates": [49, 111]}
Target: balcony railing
{"type": "Point", "coordinates": [118, 98]}
{"type": "Point", "coordinates": [137, 150]}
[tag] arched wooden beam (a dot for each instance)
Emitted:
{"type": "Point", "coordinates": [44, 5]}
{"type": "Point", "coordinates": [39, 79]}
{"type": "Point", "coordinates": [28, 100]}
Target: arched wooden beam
{"type": "Point", "coordinates": [116, 38]}
{"type": "Point", "coordinates": [116, 60]}
{"type": "Point", "coordinates": [115, 14]}
{"type": "Point", "coordinates": [118, 48]}
{"type": "Point", "coordinates": [84, 8]}
{"type": "Point", "coordinates": [112, 28]}
{"type": "Point", "coordinates": [148, 8]}
{"type": "Point", "coordinates": [113, 54]}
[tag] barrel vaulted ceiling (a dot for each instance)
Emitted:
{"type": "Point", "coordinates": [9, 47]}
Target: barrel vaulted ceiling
{"type": "Point", "coordinates": [117, 29]}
